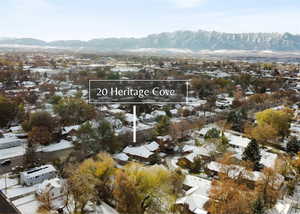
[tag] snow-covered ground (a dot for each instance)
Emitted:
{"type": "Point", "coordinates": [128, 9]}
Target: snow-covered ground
{"type": "Point", "coordinates": [28, 204]}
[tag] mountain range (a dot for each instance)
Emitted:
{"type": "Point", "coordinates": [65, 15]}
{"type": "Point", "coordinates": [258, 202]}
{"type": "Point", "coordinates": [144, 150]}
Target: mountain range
{"type": "Point", "coordinates": [189, 40]}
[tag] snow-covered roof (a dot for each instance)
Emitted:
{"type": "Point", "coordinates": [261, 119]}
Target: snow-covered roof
{"type": "Point", "coordinates": [71, 92]}
{"type": "Point", "coordinates": [197, 196]}
{"type": "Point", "coordinates": [142, 126]}
{"type": "Point", "coordinates": [237, 140]}
{"type": "Point", "coordinates": [196, 102]}
{"type": "Point", "coordinates": [295, 128]}
{"type": "Point", "coordinates": [204, 150]}
{"type": "Point", "coordinates": [28, 84]}
{"type": "Point", "coordinates": [115, 106]}
{"type": "Point", "coordinates": [235, 170]}
{"type": "Point", "coordinates": [12, 152]}
{"type": "Point", "coordinates": [194, 181]}
{"type": "Point", "coordinates": [7, 140]}
{"type": "Point", "coordinates": [140, 151]}
{"type": "Point", "coordinates": [281, 207]}
{"type": "Point", "coordinates": [164, 138]}
{"type": "Point", "coordinates": [268, 159]}
{"type": "Point", "coordinates": [158, 113]}
{"type": "Point", "coordinates": [121, 156]}
{"type": "Point", "coordinates": [38, 171]}
{"type": "Point", "coordinates": [174, 111]}
{"type": "Point", "coordinates": [125, 69]}
{"type": "Point", "coordinates": [195, 203]}
{"type": "Point", "coordinates": [114, 111]}
{"type": "Point", "coordinates": [63, 144]}
{"type": "Point", "coordinates": [147, 117]}
{"type": "Point", "coordinates": [59, 93]}
{"type": "Point", "coordinates": [47, 185]}
{"type": "Point", "coordinates": [152, 146]}
{"type": "Point", "coordinates": [129, 117]}
{"type": "Point", "coordinates": [16, 128]}
{"type": "Point", "coordinates": [67, 129]}
{"type": "Point", "coordinates": [27, 204]}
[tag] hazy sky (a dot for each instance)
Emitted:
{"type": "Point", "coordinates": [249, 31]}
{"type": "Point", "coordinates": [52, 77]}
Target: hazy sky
{"type": "Point", "coordinates": [87, 19]}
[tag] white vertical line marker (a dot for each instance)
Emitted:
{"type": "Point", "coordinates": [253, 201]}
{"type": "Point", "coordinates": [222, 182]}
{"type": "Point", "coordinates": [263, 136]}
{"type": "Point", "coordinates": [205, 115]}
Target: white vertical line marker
{"type": "Point", "coordinates": [187, 92]}
{"type": "Point", "coordinates": [89, 91]}
{"type": "Point", "coordinates": [134, 123]}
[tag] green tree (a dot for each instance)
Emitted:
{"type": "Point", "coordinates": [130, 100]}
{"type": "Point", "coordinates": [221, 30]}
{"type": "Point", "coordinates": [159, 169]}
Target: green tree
{"type": "Point", "coordinates": [101, 73]}
{"type": "Point", "coordinates": [252, 153]}
{"type": "Point", "coordinates": [8, 111]}
{"type": "Point", "coordinates": [280, 120]}
{"type": "Point", "coordinates": [197, 165]}
{"type": "Point", "coordinates": [74, 111]}
{"type": "Point", "coordinates": [40, 119]}
{"type": "Point", "coordinates": [30, 157]}
{"type": "Point", "coordinates": [144, 189]}
{"type": "Point", "coordinates": [212, 134]}
{"type": "Point", "coordinates": [40, 135]}
{"type": "Point", "coordinates": [237, 118]}
{"type": "Point", "coordinates": [91, 181]}
{"type": "Point", "coordinates": [94, 139]}
{"type": "Point", "coordinates": [55, 99]}
{"type": "Point", "coordinates": [163, 126]}
{"type": "Point", "coordinates": [258, 207]}
{"type": "Point", "coordinates": [293, 145]}
{"type": "Point", "coordinates": [113, 75]}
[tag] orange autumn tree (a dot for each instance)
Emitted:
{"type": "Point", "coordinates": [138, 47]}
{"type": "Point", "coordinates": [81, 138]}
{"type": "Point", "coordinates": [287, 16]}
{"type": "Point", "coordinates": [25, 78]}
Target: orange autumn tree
{"type": "Point", "coordinates": [230, 194]}
{"type": "Point", "coordinates": [268, 187]}
{"type": "Point", "coordinates": [227, 196]}
{"type": "Point", "coordinates": [263, 134]}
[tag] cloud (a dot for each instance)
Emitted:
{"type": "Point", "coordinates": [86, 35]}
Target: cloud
{"type": "Point", "coordinates": [187, 3]}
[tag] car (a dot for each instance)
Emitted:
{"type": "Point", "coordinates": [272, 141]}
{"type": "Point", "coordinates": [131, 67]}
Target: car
{"type": "Point", "coordinates": [5, 163]}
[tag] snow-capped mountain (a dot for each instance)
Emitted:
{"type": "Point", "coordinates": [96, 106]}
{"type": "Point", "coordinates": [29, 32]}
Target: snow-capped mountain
{"type": "Point", "coordinates": [187, 40]}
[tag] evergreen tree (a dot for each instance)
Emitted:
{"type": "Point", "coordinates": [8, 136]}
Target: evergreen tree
{"type": "Point", "coordinates": [258, 207]}
{"type": "Point", "coordinates": [237, 118]}
{"type": "Point", "coordinates": [293, 146]}
{"type": "Point", "coordinates": [196, 165]}
{"type": "Point", "coordinates": [30, 158]}
{"type": "Point", "coordinates": [163, 126]}
{"type": "Point", "coordinates": [213, 133]}
{"type": "Point", "coordinates": [252, 153]}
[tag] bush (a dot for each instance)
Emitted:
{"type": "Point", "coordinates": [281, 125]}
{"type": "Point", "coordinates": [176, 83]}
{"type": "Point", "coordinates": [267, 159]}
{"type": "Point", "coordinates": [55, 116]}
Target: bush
{"type": "Point", "coordinates": [212, 133]}
{"type": "Point", "coordinates": [55, 99]}
{"type": "Point", "coordinates": [197, 165]}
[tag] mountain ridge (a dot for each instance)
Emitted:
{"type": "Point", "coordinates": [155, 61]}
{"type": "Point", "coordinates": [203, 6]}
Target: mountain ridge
{"type": "Point", "coordinates": [192, 40]}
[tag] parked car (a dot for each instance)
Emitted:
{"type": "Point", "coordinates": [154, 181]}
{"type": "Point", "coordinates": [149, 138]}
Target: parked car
{"type": "Point", "coordinates": [5, 162]}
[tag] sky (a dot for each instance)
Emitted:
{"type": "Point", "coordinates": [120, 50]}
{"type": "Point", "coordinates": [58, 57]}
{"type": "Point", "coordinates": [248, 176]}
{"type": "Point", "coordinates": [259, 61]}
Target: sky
{"type": "Point", "coordinates": [88, 19]}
